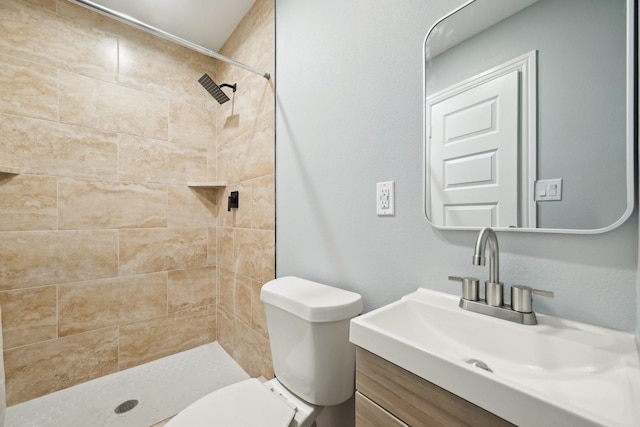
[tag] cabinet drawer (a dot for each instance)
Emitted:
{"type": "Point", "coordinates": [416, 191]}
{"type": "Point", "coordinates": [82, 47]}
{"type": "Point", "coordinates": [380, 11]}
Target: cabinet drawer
{"type": "Point", "coordinates": [368, 414]}
{"type": "Point", "coordinates": [413, 400]}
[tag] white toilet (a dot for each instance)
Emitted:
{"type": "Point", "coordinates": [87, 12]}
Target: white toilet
{"type": "Point", "coordinates": [313, 361]}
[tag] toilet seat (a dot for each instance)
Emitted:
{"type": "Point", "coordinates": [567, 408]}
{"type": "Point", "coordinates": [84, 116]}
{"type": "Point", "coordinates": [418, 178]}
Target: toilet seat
{"type": "Point", "coordinates": [244, 404]}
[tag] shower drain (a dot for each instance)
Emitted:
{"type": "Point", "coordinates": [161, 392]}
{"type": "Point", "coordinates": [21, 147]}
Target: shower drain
{"type": "Point", "coordinates": [125, 406]}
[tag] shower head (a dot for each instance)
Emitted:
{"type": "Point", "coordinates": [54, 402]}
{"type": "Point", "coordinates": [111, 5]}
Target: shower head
{"type": "Point", "coordinates": [214, 89]}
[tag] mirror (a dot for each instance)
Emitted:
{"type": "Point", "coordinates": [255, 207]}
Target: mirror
{"type": "Point", "coordinates": [529, 116]}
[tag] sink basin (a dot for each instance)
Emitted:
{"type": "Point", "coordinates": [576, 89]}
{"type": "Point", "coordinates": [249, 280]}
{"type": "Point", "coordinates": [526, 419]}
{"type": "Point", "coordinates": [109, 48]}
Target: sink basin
{"type": "Point", "coordinates": [558, 372]}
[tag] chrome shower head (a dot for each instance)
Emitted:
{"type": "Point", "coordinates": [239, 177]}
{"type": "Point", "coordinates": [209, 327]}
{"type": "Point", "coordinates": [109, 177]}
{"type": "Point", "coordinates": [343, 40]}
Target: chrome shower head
{"type": "Point", "coordinates": [214, 89]}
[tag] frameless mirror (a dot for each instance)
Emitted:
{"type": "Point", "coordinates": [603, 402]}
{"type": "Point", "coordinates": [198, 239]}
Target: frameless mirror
{"type": "Point", "coordinates": [529, 115]}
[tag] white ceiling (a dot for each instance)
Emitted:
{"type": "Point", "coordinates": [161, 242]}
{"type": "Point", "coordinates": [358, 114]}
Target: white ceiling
{"type": "Point", "coordinates": [471, 20]}
{"type": "Point", "coordinates": [208, 23]}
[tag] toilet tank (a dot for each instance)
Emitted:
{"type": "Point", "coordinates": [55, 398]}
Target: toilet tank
{"type": "Point", "coordinates": [309, 332]}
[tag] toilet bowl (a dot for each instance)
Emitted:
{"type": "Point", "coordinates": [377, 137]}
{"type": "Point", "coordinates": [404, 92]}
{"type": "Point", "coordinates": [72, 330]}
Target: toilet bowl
{"type": "Point", "coordinates": [248, 403]}
{"type": "Point", "coordinates": [313, 361]}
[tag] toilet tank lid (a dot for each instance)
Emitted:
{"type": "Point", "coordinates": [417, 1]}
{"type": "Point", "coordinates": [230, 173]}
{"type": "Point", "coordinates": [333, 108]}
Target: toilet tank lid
{"type": "Point", "coordinates": [311, 301]}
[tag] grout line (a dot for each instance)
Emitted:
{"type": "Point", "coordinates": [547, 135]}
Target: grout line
{"type": "Point", "coordinates": [58, 93]}
{"type": "Point", "coordinates": [118, 349]}
{"type": "Point", "coordinates": [57, 311]}
{"type": "Point", "coordinates": [57, 203]}
{"type": "Point", "coordinates": [118, 36]}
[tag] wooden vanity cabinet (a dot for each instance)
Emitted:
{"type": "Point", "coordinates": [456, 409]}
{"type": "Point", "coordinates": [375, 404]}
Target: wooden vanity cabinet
{"type": "Point", "coordinates": [389, 396]}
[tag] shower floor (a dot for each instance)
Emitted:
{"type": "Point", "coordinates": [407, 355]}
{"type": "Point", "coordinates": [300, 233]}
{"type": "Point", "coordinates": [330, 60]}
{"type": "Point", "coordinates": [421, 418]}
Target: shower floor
{"type": "Point", "coordinates": [163, 388]}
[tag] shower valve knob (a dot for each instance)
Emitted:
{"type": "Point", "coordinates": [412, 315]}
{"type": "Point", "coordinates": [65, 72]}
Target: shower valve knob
{"type": "Point", "coordinates": [233, 201]}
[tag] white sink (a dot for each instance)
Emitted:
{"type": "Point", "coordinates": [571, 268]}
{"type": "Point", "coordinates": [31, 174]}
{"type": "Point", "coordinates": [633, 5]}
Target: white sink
{"type": "Point", "coordinates": [555, 373]}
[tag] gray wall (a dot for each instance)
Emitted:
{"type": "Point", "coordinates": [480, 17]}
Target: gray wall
{"type": "Point", "coordinates": [348, 115]}
{"type": "Point", "coordinates": [576, 46]}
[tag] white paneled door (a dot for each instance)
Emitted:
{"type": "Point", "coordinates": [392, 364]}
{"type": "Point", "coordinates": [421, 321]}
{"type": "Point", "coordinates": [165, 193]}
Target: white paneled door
{"type": "Point", "coordinates": [474, 155]}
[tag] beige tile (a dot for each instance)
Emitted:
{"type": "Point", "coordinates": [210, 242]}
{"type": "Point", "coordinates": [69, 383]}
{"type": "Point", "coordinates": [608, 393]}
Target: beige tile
{"type": "Point", "coordinates": [148, 340]}
{"type": "Point", "coordinates": [212, 246]}
{"type": "Point", "coordinates": [89, 102]}
{"type": "Point", "coordinates": [255, 155]}
{"type": "Point", "coordinates": [28, 316]}
{"type": "Point", "coordinates": [147, 62]}
{"type": "Point", "coordinates": [249, 155]}
{"type": "Point", "coordinates": [48, 148]}
{"type": "Point", "coordinates": [49, 5]}
{"type": "Point", "coordinates": [37, 35]}
{"type": "Point", "coordinates": [227, 291]}
{"type": "Point", "coordinates": [261, 103]}
{"type": "Point", "coordinates": [96, 304]}
{"type": "Point", "coordinates": [263, 212]}
{"type": "Point", "coordinates": [164, 69]}
{"type": "Point", "coordinates": [253, 42]}
{"type": "Point", "coordinates": [192, 288]}
{"type": "Point", "coordinates": [254, 253]}
{"type": "Point", "coordinates": [49, 257]}
{"type": "Point", "coordinates": [92, 204]}
{"type": "Point", "coordinates": [192, 207]}
{"type": "Point", "coordinates": [224, 160]}
{"type": "Point", "coordinates": [230, 126]}
{"type": "Point", "coordinates": [258, 315]}
{"type": "Point", "coordinates": [191, 125]}
{"type": "Point", "coordinates": [151, 160]}
{"type": "Point", "coordinates": [253, 104]}
{"type": "Point", "coordinates": [254, 34]}
{"type": "Point", "coordinates": [29, 202]}
{"type": "Point", "coordinates": [225, 248]}
{"type": "Point", "coordinates": [155, 57]}
{"type": "Point", "coordinates": [212, 164]}
{"type": "Point", "coordinates": [212, 316]}
{"type": "Point", "coordinates": [269, 269]}
{"type": "Point", "coordinates": [246, 133]}
{"type": "Point", "coordinates": [242, 216]}
{"type": "Point", "coordinates": [252, 352]}
{"type": "Point", "coordinates": [226, 324]}
{"type": "Point", "coordinates": [28, 89]}
{"type": "Point", "coordinates": [243, 299]}
{"type": "Point", "coordinates": [38, 369]}
{"type": "Point", "coordinates": [159, 249]}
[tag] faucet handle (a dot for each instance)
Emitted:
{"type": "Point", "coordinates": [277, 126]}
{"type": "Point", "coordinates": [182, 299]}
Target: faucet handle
{"type": "Point", "coordinates": [541, 293]}
{"type": "Point", "coordinates": [521, 297]}
{"type": "Point", "coordinates": [470, 287]}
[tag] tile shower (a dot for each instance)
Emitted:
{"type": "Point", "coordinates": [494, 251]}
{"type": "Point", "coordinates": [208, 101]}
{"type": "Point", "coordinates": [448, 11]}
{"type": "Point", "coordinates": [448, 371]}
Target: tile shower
{"type": "Point", "coordinates": [109, 259]}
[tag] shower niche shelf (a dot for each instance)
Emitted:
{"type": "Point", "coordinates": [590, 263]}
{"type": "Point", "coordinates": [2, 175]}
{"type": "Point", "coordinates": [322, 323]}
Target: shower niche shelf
{"type": "Point", "coordinates": [206, 184]}
{"type": "Point", "coordinates": [9, 170]}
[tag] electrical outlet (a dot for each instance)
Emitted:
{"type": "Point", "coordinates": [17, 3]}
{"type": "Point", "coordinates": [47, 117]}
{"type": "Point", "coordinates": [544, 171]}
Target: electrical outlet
{"type": "Point", "coordinates": [385, 198]}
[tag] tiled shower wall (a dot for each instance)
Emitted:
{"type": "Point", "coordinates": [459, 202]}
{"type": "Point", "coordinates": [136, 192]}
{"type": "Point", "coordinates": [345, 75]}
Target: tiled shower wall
{"type": "Point", "coordinates": [108, 260]}
{"type": "Point", "coordinates": [246, 238]}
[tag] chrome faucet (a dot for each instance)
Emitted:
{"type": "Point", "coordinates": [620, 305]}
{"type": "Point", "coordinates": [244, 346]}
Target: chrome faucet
{"type": "Point", "coordinates": [520, 310]}
{"type": "Point", "coordinates": [494, 289]}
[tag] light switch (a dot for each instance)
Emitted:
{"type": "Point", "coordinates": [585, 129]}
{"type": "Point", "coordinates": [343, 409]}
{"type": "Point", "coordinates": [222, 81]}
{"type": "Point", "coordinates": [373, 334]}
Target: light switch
{"type": "Point", "coordinates": [548, 190]}
{"type": "Point", "coordinates": [542, 190]}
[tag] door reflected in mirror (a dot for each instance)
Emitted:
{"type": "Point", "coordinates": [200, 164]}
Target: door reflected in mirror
{"type": "Point", "coordinates": [529, 115]}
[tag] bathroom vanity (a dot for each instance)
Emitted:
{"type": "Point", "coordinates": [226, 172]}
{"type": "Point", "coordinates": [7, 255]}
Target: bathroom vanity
{"type": "Point", "coordinates": [424, 360]}
{"type": "Point", "coordinates": [388, 396]}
